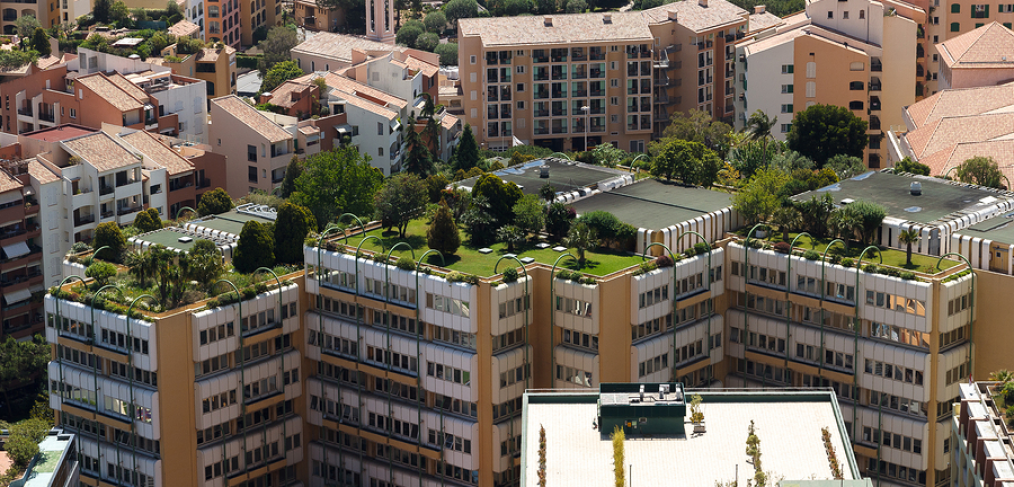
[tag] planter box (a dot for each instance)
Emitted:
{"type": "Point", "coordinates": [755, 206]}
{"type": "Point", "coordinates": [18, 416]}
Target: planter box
{"type": "Point", "coordinates": [698, 428]}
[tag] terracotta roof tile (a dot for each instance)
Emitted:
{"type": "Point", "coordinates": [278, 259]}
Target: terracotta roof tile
{"type": "Point", "coordinates": [128, 86]}
{"type": "Point", "coordinates": [961, 102]}
{"type": "Point", "coordinates": [184, 28]}
{"type": "Point", "coordinates": [986, 47]}
{"type": "Point", "coordinates": [448, 121]}
{"type": "Point", "coordinates": [339, 46]}
{"type": "Point", "coordinates": [252, 117]}
{"type": "Point", "coordinates": [692, 15]}
{"type": "Point", "coordinates": [101, 151]}
{"type": "Point", "coordinates": [158, 152]}
{"type": "Point", "coordinates": [41, 173]}
{"type": "Point", "coordinates": [353, 87]}
{"type": "Point", "coordinates": [112, 93]}
{"type": "Point", "coordinates": [565, 29]}
{"type": "Point", "coordinates": [9, 183]}
{"type": "Point", "coordinates": [763, 21]}
{"type": "Point", "coordinates": [420, 65]}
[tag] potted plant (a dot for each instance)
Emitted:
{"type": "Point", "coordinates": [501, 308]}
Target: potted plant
{"type": "Point", "coordinates": [697, 414]}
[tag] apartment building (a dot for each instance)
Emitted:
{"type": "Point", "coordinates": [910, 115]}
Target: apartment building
{"type": "Point", "coordinates": [14, 9]}
{"type": "Point", "coordinates": [325, 51]}
{"type": "Point", "coordinates": [858, 54]}
{"type": "Point", "coordinates": [977, 58]}
{"type": "Point", "coordinates": [981, 438]}
{"type": "Point", "coordinates": [257, 14]}
{"type": "Point", "coordinates": [22, 282]}
{"type": "Point", "coordinates": [567, 61]}
{"type": "Point", "coordinates": [309, 16]}
{"type": "Point", "coordinates": [655, 420]}
{"type": "Point", "coordinates": [55, 465]}
{"type": "Point", "coordinates": [265, 141]}
{"type": "Point", "coordinates": [216, 66]}
{"type": "Point", "coordinates": [96, 88]}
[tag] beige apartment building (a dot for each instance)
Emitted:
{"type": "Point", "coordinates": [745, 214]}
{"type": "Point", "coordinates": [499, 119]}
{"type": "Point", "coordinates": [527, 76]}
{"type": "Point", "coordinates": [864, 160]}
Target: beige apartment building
{"type": "Point", "coordinates": [573, 81]}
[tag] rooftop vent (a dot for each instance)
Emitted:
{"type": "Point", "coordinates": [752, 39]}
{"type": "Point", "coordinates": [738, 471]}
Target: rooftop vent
{"type": "Point", "coordinates": [758, 9]}
{"type": "Point", "coordinates": [703, 3]}
{"type": "Point", "coordinates": [544, 172]}
{"type": "Point", "coordinates": [847, 201]}
{"type": "Point", "coordinates": [915, 188]}
{"type": "Point", "coordinates": [185, 240]}
{"type": "Point", "coordinates": [642, 392]}
{"type": "Point", "coordinates": [673, 15]}
{"type": "Point", "coordinates": [608, 19]}
{"type": "Point", "coordinates": [547, 21]}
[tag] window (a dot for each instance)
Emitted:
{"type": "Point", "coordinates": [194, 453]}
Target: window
{"type": "Point", "coordinates": [786, 88]}
{"type": "Point", "coordinates": [830, 15]}
{"type": "Point", "coordinates": [471, 59]}
{"type": "Point", "coordinates": [845, 15]}
{"type": "Point", "coordinates": [520, 69]}
{"type": "Point", "coordinates": [73, 113]}
{"type": "Point", "coordinates": [787, 69]}
{"type": "Point", "coordinates": [787, 108]}
{"type": "Point", "coordinates": [251, 174]}
{"type": "Point", "coordinates": [862, 14]}
{"type": "Point", "coordinates": [251, 153]}
{"type": "Point", "coordinates": [786, 128]}
{"type": "Point", "coordinates": [380, 129]}
{"type": "Point", "coordinates": [855, 105]}
{"type": "Point", "coordinates": [955, 27]}
{"type": "Point", "coordinates": [811, 89]}
{"type": "Point", "coordinates": [955, 8]}
{"type": "Point", "coordinates": [856, 85]}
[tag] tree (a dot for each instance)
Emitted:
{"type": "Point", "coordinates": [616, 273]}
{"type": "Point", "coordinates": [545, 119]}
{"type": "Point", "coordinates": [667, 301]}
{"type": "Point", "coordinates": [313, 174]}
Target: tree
{"type": "Point", "coordinates": [529, 214]}
{"type": "Point", "coordinates": [443, 232]}
{"type": "Point", "coordinates": [292, 225]}
{"type": "Point", "coordinates": [19, 361]}
{"type": "Point", "coordinates": [846, 167]}
{"type": "Point", "coordinates": [109, 234]}
{"type": "Point", "coordinates": [276, 48]}
{"type": "Point", "coordinates": [206, 264]}
{"type": "Point", "coordinates": [417, 160]}
{"type": "Point", "coordinates": [815, 213]}
{"type": "Point", "coordinates": [140, 265]}
{"type": "Point", "coordinates": [100, 11]}
{"type": "Point", "coordinates": [337, 181]}
{"type": "Point", "coordinates": [607, 227]}
{"type": "Point", "coordinates": [912, 167]}
{"type": "Point", "coordinates": [1003, 376]}
{"type": "Point", "coordinates": [982, 171]}
{"type": "Point", "coordinates": [547, 192]}
{"type": "Point", "coordinates": [480, 224]}
{"type": "Point", "coordinates": [280, 73]}
{"type": "Point", "coordinates": [691, 162]}
{"type": "Point", "coordinates": [40, 42]}
{"type": "Point", "coordinates": [907, 238]}
{"type": "Point", "coordinates": [619, 466]}
{"type": "Point", "coordinates": [101, 271]}
{"type": "Point", "coordinates": [408, 34]}
{"type": "Point", "coordinates": [466, 156]}
{"type": "Point", "coordinates": [510, 235]}
{"type": "Point", "coordinates": [860, 217]}
{"type": "Point", "coordinates": [402, 198]}
{"type": "Point", "coordinates": [759, 127]}
{"type": "Point", "coordinates": [255, 248]}
{"type": "Point", "coordinates": [513, 8]}
{"type": "Point", "coordinates": [607, 155]}
{"type": "Point", "coordinates": [789, 161]}
{"type": "Point", "coordinates": [461, 9]}
{"type": "Point", "coordinates": [759, 198]}
{"type": "Point", "coordinates": [558, 218]}
{"type": "Point", "coordinates": [292, 171]}
{"type": "Point", "coordinates": [823, 131]}
{"type": "Point", "coordinates": [26, 25]}
{"type": "Point", "coordinates": [436, 184]}
{"type": "Point", "coordinates": [435, 21]}
{"type": "Point", "coordinates": [787, 218]}
{"type": "Point", "coordinates": [502, 196]}
{"type": "Point", "coordinates": [428, 41]}
{"type": "Point", "coordinates": [698, 126]}
{"type": "Point", "coordinates": [148, 221]}
{"type": "Point", "coordinates": [582, 237]}
{"type": "Point", "coordinates": [448, 53]}
{"type": "Point", "coordinates": [543, 7]}
{"type": "Point", "coordinates": [576, 6]}
{"type": "Point", "coordinates": [214, 202]}
{"type": "Point", "coordinates": [120, 14]}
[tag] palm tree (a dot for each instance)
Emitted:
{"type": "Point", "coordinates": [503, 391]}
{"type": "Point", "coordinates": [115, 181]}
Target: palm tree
{"type": "Point", "coordinates": [787, 218]}
{"type": "Point", "coordinates": [759, 126]}
{"type": "Point", "coordinates": [141, 265]}
{"type": "Point", "coordinates": [581, 237]}
{"type": "Point", "coordinates": [844, 224]}
{"type": "Point", "coordinates": [908, 237]}
{"type": "Point", "coordinates": [1002, 375]}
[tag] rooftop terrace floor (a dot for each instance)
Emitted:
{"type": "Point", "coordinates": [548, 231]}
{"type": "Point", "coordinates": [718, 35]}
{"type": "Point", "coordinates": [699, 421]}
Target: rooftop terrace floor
{"type": "Point", "coordinates": [654, 204]}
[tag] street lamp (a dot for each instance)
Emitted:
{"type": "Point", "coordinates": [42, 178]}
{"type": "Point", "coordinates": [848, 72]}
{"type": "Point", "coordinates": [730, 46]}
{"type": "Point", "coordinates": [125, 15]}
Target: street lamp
{"type": "Point", "coordinates": [587, 112]}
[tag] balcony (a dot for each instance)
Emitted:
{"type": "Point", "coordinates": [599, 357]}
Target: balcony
{"type": "Point", "coordinates": [875, 103]}
{"type": "Point", "coordinates": [26, 111]}
{"type": "Point", "coordinates": [876, 66]}
{"type": "Point", "coordinates": [661, 97]}
{"type": "Point", "coordinates": [874, 122]}
{"type": "Point", "coordinates": [597, 73]}
{"type": "Point", "coordinates": [125, 210]}
{"type": "Point", "coordinates": [106, 214]}
{"type": "Point", "coordinates": [47, 117]}
{"type": "Point", "coordinates": [104, 190]}
{"type": "Point", "coordinates": [204, 183]}
{"type": "Point", "coordinates": [176, 186]}
{"type": "Point", "coordinates": [83, 220]}
{"type": "Point", "coordinates": [875, 84]}
{"type": "Point", "coordinates": [661, 81]}
{"type": "Point", "coordinates": [598, 93]}
{"type": "Point", "coordinates": [541, 130]}
{"type": "Point", "coordinates": [579, 94]}
{"type": "Point", "coordinates": [541, 113]}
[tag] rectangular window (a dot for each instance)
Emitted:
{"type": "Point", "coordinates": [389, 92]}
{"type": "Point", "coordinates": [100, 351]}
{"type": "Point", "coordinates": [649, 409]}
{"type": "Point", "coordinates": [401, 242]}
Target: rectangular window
{"type": "Point", "coordinates": [252, 173]}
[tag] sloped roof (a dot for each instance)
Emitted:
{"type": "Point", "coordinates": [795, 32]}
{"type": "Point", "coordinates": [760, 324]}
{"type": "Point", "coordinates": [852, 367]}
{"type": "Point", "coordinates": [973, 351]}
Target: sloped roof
{"type": "Point", "coordinates": [9, 183]}
{"type": "Point", "coordinates": [564, 29]}
{"type": "Point", "coordinates": [101, 151]}
{"type": "Point", "coordinates": [252, 117]}
{"type": "Point", "coordinates": [41, 173]}
{"type": "Point", "coordinates": [340, 46]}
{"type": "Point", "coordinates": [989, 46]}
{"type": "Point", "coordinates": [962, 102]}
{"type": "Point", "coordinates": [696, 17]}
{"type": "Point", "coordinates": [158, 152]}
{"type": "Point", "coordinates": [116, 96]}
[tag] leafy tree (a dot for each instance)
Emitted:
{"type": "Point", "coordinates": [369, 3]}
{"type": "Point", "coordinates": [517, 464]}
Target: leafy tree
{"type": "Point", "coordinates": [21, 449]}
{"type": "Point", "coordinates": [443, 232]}
{"type": "Point", "coordinates": [40, 42]}
{"type": "Point", "coordinates": [697, 126]}
{"type": "Point", "coordinates": [101, 271]}
{"type": "Point", "coordinates": [206, 264]}
{"type": "Point", "coordinates": [790, 161]}
{"type": "Point", "coordinates": [846, 167]}
{"type": "Point", "coordinates": [428, 41]}
{"type": "Point", "coordinates": [513, 8]}
{"type": "Point", "coordinates": [402, 198]}
{"type": "Point", "coordinates": [141, 266]}
{"type": "Point", "coordinates": [279, 73]}
{"type": "Point", "coordinates": [982, 171]}
{"type": "Point", "coordinates": [759, 128]}
{"type": "Point", "coordinates": [148, 221]}
{"type": "Point", "coordinates": [26, 25]}
{"type": "Point", "coordinates": [109, 234]}
{"type": "Point", "coordinates": [292, 225]}
{"type": "Point", "coordinates": [448, 53]}
{"type": "Point", "coordinates": [860, 217]}
{"type": "Point", "coordinates": [461, 9]}
{"type": "Point", "coordinates": [510, 235]}
{"type": "Point", "coordinates": [172, 276]}
{"type": "Point", "coordinates": [787, 218]}
{"type": "Point", "coordinates": [558, 218]}
{"type": "Point", "coordinates": [582, 237]}
{"type": "Point", "coordinates": [502, 196]}
{"type": "Point", "coordinates": [823, 131]}
{"type": "Point", "coordinates": [435, 21]}
{"type": "Point", "coordinates": [480, 224]}
{"type": "Point", "coordinates": [417, 160]}
{"type": "Point", "coordinates": [691, 162]}
{"type": "Point", "coordinates": [607, 155]}
{"type": "Point", "coordinates": [255, 248]}
{"type": "Point", "coordinates": [529, 215]}
{"type": "Point", "coordinates": [815, 213]}
{"type": "Point", "coordinates": [547, 192]}
{"type": "Point", "coordinates": [759, 198]}
{"type": "Point", "coordinates": [435, 185]}
{"type": "Point", "coordinates": [576, 6]}
{"type": "Point", "coordinates": [751, 155]}
{"type": "Point", "coordinates": [214, 202]}
{"type": "Point", "coordinates": [408, 34]}
{"type": "Point", "coordinates": [907, 238]}
{"type": "Point", "coordinates": [543, 7]}
{"type": "Point", "coordinates": [18, 361]}
{"type": "Point", "coordinates": [276, 48]}
{"type": "Point", "coordinates": [466, 156]}
{"type": "Point", "coordinates": [292, 171]}
{"type": "Point", "coordinates": [607, 227]}
{"type": "Point", "coordinates": [100, 11]}
{"type": "Point", "coordinates": [337, 181]}
{"type": "Point", "coordinates": [121, 14]}
{"type": "Point", "coordinates": [912, 167]}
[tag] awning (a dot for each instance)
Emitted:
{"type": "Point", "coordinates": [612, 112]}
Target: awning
{"type": "Point", "coordinates": [16, 249]}
{"type": "Point", "coordinates": [10, 197]}
{"type": "Point", "coordinates": [17, 296]}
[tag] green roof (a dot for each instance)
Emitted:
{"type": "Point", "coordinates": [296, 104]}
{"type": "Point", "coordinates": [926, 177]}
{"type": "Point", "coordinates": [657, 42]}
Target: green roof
{"type": "Point", "coordinates": [565, 176]}
{"type": "Point", "coordinates": [939, 198]}
{"type": "Point", "coordinates": [997, 229]}
{"type": "Point", "coordinates": [169, 238]}
{"type": "Point", "coordinates": [654, 204]}
{"type": "Point", "coordinates": [230, 222]}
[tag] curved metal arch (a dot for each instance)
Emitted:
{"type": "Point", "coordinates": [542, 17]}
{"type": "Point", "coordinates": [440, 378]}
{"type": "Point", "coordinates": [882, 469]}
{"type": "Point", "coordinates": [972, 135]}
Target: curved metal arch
{"type": "Point", "coordinates": [496, 270]}
{"type": "Point", "coordinates": [418, 339]}
{"type": "Point", "coordinates": [242, 355]}
{"type": "Point", "coordinates": [746, 281]}
{"type": "Point", "coordinates": [59, 325]}
{"type": "Point", "coordinates": [552, 317]}
{"type": "Point", "coordinates": [95, 253]}
{"type": "Point", "coordinates": [95, 370]}
{"type": "Point", "coordinates": [185, 208]}
{"type": "Point", "coordinates": [560, 154]}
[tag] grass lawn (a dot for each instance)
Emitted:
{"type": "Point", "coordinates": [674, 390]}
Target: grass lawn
{"type": "Point", "coordinates": [892, 257]}
{"type": "Point", "coordinates": [468, 259]}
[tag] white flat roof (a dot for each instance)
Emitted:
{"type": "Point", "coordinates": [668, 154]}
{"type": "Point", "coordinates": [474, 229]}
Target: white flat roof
{"type": "Point", "coordinates": [790, 435]}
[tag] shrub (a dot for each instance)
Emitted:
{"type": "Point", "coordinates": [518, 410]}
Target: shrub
{"type": "Point", "coordinates": [811, 255]}
{"type": "Point", "coordinates": [847, 262]}
{"type": "Point", "coordinates": [893, 272]}
{"type": "Point", "coordinates": [79, 247]}
{"type": "Point", "coordinates": [455, 276]}
{"type": "Point", "coordinates": [102, 272]}
{"type": "Point", "coordinates": [701, 247]}
{"type": "Point", "coordinates": [214, 202]}
{"type": "Point", "coordinates": [871, 268]}
{"type": "Point", "coordinates": [564, 274]}
{"type": "Point", "coordinates": [443, 232]}
{"type": "Point", "coordinates": [589, 280]}
{"type": "Point", "coordinates": [664, 261]}
{"type": "Point", "coordinates": [908, 276]}
{"type": "Point", "coordinates": [109, 234]}
{"type": "Point", "coordinates": [648, 266]}
{"type": "Point", "coordinates": [510, 275]}
{"type": "Point", "coordinates": [255, 248]}
{"type": "Point", "coordinates": [292, 224]}
{"type": "Point", "coordinates": [836, 259]}
{"type": "Point", "coordinates": [448, 54]}
{"type": "Point", "coordinates": [690, 252]}
{"type": "Point", "coordinates": [148, 221]}
{"type": "Point", "coordinates": [782, 247]}
{"type": "Point", "coordinates": [405, 264]}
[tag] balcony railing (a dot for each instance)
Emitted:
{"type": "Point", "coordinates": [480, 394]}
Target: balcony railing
{"type": "Point", "coordinates": [47, 117]}
{"type": "Point", "coordinates": [104, 190]}
{"type": "Point", "coordinates": [125, 182]}
{"type": "Point", "coordinates": [83, 220]}
{"type": "Point", "coordinates": [204, 183]}
{"type": "Point", "coordinates": [178, 186]}
{"type": "Point", "coordinates": [127, 210]}
{"type": "Point", "coordinates": [106, 214]}
{"type": "Point", "coordinates": [26, 111]}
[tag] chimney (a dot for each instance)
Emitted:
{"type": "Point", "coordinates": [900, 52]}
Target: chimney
{"type": "Point", "coordinates": [642, 392]}
{"type": "Point", "coordinates": [758, 9]}
{"type": "Point", "coordinates": [548, 21]}
{"type": "Point", "coordinates": [703, 3]}
{"type": "Point", "coordinates": [673, 15]}
{"type": "Point", "coordinates": [607, 18]}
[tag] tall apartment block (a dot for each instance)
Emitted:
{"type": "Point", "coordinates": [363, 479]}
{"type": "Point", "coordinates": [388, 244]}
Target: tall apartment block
{"type": "Point", "coordinates": [982, 437]}
{"type": "Point", "coordinates": [858, 54]}
{"type": "Point", "coordinates": [571, 81]}
{"type": "Point", "coordinates": [22, 283]}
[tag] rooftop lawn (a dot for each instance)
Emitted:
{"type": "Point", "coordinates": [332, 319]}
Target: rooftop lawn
{"type": "Point", "coordinates": [926, 264]}
{"type": "Point", "coordinates": [600, 262]}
